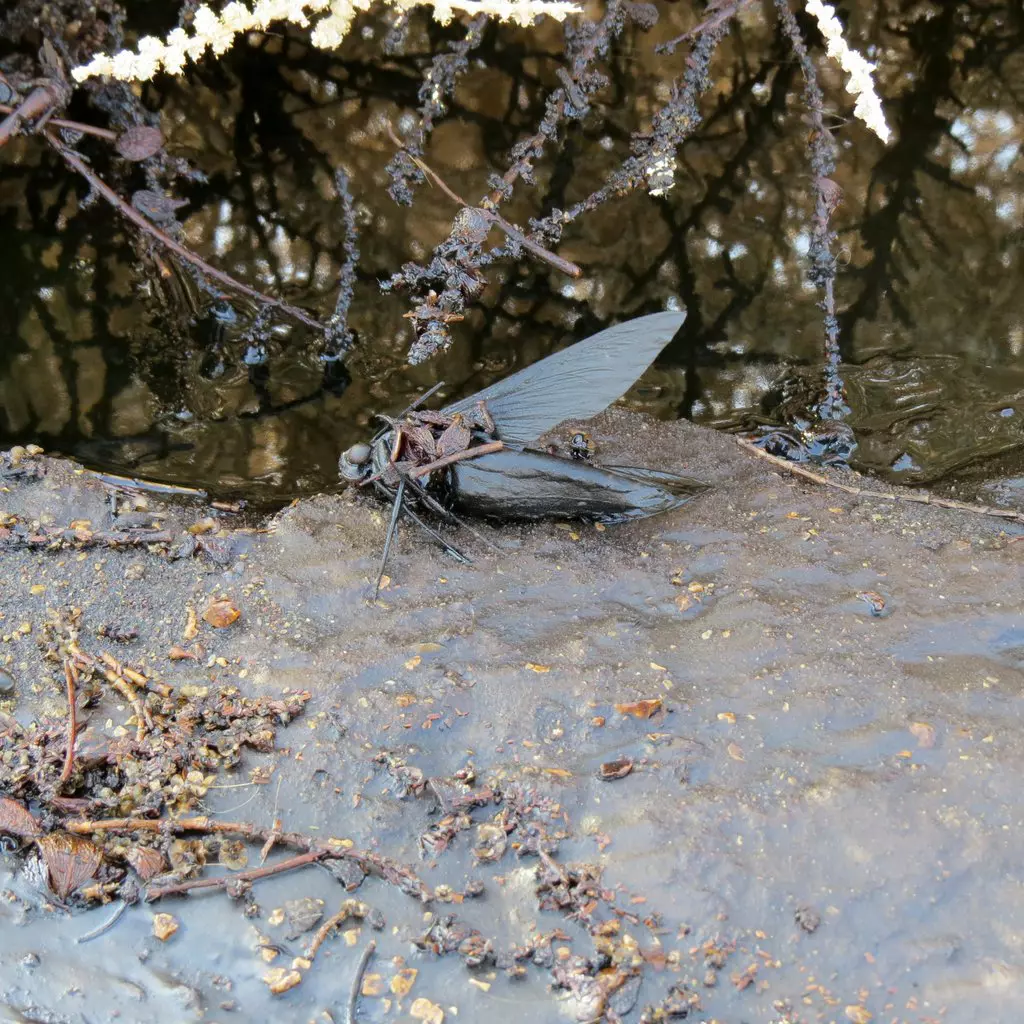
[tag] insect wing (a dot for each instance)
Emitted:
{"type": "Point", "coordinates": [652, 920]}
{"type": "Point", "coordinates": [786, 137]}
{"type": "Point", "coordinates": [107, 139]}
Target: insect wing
{"type": "Point", "coordinates": [576, 383]}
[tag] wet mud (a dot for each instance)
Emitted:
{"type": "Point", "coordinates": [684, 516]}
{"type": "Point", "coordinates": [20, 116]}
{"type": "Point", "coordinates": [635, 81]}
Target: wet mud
{"type": "Point", "coordinates": [815, 820]}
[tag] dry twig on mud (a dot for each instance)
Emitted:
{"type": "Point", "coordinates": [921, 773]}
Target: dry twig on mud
{"type": "Point", "coordinates": [862, 492]}
{"type": "Point", "coordinates": [314, 850]}
{"type": "Point", "coordinates": [70, 676]}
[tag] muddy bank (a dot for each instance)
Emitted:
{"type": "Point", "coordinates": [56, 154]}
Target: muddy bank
{"type": "Point", "coordinates": [839, 734]}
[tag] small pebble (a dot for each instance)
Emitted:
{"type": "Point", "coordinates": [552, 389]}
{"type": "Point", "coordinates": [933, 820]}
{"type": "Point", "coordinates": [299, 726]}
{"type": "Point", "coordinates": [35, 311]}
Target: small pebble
{"type": "Point", "coordinates": [7, 685]}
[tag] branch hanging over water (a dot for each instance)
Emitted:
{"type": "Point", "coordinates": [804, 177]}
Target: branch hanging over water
{"type": "Point", "coordinates": [74, 161]}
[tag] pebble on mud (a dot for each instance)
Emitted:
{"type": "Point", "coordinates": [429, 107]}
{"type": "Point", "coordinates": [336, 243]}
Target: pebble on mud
{"type": "Point", "coordinates": [640, 708]}
{"type": "Point", "coordinates": [7, 685]}
{"type": "Point", "coordinates": [281, 979]}
{"type": "Point", "coordinates": [222, 613]}
{"type": "Point", "coordinates": [164, 926]}
{"type": "Point", "coordinates": [402, 983]}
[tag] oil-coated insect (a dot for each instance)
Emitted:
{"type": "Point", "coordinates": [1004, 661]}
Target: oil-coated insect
{"type": "Point", "coordinates": [473, 457]}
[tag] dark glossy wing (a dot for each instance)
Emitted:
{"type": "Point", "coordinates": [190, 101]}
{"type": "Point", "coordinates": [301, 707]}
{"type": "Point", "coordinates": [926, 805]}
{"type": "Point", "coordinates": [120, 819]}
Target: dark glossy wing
{"type": "Point", "coordinates": [576, 383]}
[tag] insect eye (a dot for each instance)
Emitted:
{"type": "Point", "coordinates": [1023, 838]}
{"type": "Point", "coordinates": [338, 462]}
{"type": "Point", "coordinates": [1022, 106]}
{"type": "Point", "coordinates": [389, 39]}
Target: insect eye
{"type": "Point", "coordinates": [358, 454]}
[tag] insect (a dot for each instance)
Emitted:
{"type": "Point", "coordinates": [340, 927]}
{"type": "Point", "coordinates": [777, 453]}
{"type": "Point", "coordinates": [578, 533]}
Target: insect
{"type": "Point", "coordinates": [473, 457]}
{"type": "Point", "coordinates": [581, 446]}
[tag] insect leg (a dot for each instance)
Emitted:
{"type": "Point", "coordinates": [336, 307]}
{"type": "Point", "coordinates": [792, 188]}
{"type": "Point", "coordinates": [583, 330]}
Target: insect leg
{"type": "Point", "coordinates": [449, 517]}
{"type": "Point", "coordinates": [448, 548]}
{"type": "Point", "coordinates": [396, 510]}
{"type": "Point", "coordinates": [419, 401]}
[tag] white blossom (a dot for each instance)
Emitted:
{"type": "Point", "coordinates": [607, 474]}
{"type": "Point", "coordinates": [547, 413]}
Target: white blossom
{"type": "Point", "coordinates": [868, 107]}
{"type": "Point", "coordinates": [218, 31]}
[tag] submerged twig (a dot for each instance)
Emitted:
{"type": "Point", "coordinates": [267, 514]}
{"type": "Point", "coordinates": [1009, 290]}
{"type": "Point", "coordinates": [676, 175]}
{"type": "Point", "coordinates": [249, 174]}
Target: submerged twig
{"type": "Point", "coordinates": [863, 492]}
{"type": "Point", "coordinates": [350, 908]}
{"type": "Point", "coordinates": [239, 878]}
{"type": "Point", "coordinates": [106, 926]}
{"type": "Point", "coordinates": [357, 981]}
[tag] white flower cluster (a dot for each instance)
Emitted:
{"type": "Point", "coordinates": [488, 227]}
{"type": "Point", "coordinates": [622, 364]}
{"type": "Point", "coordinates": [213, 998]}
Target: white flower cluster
{"type": "Point", "coordinates": [218, 31]}
{"type": "Point", "coordinates": [868, 106]}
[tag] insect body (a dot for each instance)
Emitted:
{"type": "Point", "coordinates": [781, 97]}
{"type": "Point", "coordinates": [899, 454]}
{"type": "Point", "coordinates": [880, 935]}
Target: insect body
{"type": "Point", "coordinates": [474, 456]}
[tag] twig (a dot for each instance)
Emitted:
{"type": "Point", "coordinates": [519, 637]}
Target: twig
{"type": "Point", "coordinates": [135, 676]}
{"type": "Point", "coordinates": [863, 492]}
{"type": "Point", "coordinates": [76, 126]}
{"type": "Point", "coordinates": [350, 908]}
{"type": "Point", "coordinates": [275, 833]}
{"type": "Point", "coordinates": [723, 13]}
{"type": "Point", "coordinates": [106, 926]}
{"type": "Point", "coordinates": [134, 483]}
{"type": "Point", "coordinates": [490, 215]}
{"type": "Point", "coordinates": [73, 160]}
{"type": "Point", "coordinates": [41, 100]}
{"type": "Point", "coordinates": [87, 660]}
{"type": "Point", "coordinates": [322, 849]}
{"type": "Point", "coordinates": [821, 149]}
{"type": "Point", "coordinates": [357, 981]}
{"type": "Point", "coordinates": [70, 677]}
{"type": "Point", "coordinates": [466, 453]}
{"type": "Point", "coordinates": [226, 881]}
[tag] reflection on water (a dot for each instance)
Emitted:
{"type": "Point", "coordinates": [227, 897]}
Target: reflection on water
{"type": "Point", "coordinates": [113, 353]}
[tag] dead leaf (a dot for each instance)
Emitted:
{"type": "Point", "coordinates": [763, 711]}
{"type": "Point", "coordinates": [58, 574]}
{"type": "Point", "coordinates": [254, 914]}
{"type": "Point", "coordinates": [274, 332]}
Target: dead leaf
{"type": "Point", "coordinates": [70, 861]}
{"type": "Point", "coordinates": [222, 613]}
{"type": "Point", "coordinates": [16, 820]}
{"type": "Point", "coordinates": [139, 142]}
{"type": "Point", "coordinates": [618, 769]}
{"type": "Point", "coordinates": [858, 1015]}
{"type": "Point", "coordinates": [735, 751]}
{"type": "Point", "coordinates": [233, 854]}
{"type": "Point", "coordinates": [148, 863]}
{"type": "Point", "coordinates": [640, 708]}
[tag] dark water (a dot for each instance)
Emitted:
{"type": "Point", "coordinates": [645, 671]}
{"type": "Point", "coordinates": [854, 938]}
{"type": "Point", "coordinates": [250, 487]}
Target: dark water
{"type": "Point", "coordinates": [118, 357]}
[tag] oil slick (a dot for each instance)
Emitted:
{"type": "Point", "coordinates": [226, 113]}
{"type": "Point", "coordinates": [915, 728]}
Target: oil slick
{"type": "Point", "coordinates": [474, 457]}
